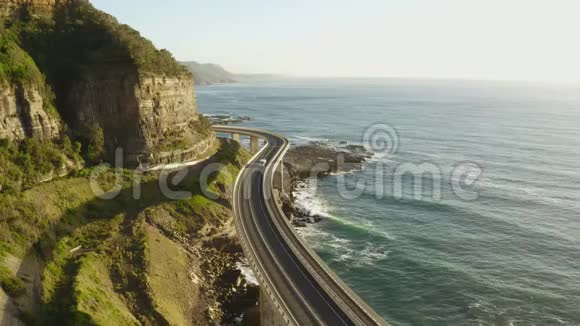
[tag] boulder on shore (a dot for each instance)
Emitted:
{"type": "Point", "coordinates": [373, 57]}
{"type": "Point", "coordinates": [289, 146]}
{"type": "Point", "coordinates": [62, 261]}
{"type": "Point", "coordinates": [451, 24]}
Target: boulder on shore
{"type": "Point", "coordinates": [316, 160]}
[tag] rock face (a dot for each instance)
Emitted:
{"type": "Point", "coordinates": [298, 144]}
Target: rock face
{"type": "Point", "coordinates": [169, 120]}
{"type": "Point", "coordinates": [152, 118]}
{"type": "Point", "coordinates": [8, 7]}
{"type": "Point", "coordinates": [226, 119]}
{"type": "Point", "coordinates": [113, 88]}
{"type": "Point", "coordinates": [22, 113]}
{"type": "Point", "coordinates": [316, 159]}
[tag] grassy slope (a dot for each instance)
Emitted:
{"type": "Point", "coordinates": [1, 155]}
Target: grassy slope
{"type": "Point", "coordinates": [95, 295]}
{"type": "Point", "coordinates": [172, 291]}
{"type": "Point", "coordinates": [115, 242]}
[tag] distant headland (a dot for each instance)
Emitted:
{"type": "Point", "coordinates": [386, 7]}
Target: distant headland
{"type": "Point", "coordinates": [211, 73]}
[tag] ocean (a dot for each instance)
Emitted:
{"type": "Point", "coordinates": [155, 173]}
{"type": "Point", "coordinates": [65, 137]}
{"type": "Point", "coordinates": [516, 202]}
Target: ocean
{"type": "Point", "coordinates": [469, 211]}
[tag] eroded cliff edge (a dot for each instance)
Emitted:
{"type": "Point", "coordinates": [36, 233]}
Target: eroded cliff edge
{"type": "Point", "coordinates": [112, 87]}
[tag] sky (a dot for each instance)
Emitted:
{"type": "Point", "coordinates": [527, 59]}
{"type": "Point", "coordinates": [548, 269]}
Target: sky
{"type": "Point", "coordinates": [467, 39]}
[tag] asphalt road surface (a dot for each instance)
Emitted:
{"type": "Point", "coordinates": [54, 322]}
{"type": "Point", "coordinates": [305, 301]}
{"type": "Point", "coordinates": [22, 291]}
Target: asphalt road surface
{"type": "Point", "coordinates": [307, 291]}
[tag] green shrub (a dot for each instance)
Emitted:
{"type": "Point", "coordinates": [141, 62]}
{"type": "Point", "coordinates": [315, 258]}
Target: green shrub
{"type": "Point", "coordinates": [112, 269]}
{"type": "Point", "coordinates": [15, 64]}
{"type": "Point", "coordinates": [23, 164]}
{"type": "Point", "coordinates": [203, 126]}
{"type": "Point", "coordinates": [18, 68]}
{"type": "Point", "coordinates": [81, 38]}
{"type": "Point", "coordinates": [12, 285]}
{"type": "Point", "coordinates": [95, 296]}
{"type": "Point", "coordinates": [96, 144]}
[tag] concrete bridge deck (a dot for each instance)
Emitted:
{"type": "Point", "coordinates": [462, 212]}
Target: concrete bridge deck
{"type": "Point", "coordinates": [297, 285]}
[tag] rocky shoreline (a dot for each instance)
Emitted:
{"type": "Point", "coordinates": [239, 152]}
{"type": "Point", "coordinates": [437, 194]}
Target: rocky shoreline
{"type": "Point", "coordinates": [312, 160]}
{"type": "Point", "coordinates": [225, 119]}
{"type": "Point", "coordinates": [316, 160]}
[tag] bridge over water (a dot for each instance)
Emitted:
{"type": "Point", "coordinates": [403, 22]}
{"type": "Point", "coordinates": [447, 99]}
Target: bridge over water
{"type": "Point", "coordinates": [297, 287]}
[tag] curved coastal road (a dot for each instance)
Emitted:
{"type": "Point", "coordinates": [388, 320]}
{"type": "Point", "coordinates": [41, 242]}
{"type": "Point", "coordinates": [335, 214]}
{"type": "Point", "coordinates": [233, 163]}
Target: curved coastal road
{"type": "Point", "coordinates": [302, 287]}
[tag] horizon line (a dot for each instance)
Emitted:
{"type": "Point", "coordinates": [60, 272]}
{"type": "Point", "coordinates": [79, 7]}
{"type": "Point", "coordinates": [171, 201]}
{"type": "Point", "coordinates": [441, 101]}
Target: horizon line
{"type": "Point", "coordinates": [434, 78]}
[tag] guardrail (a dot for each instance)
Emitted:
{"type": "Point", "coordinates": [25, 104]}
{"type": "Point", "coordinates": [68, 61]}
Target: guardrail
{"type": "Point", "coordinates": [345, 298]}
{"type": "Point", "coordinates": [354, 307]}
{"type": "Point", "coordinates": [265, 282]}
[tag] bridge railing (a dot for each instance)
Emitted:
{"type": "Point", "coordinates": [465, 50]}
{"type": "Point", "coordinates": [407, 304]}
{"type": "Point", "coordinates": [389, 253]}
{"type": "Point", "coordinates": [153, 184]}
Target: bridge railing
{"type": "Point", "coordinates": [354, 307]}
{"type": "Point", "coordinates": [343, 296]}
{"type": "Point", "coordinates": [266, 284]}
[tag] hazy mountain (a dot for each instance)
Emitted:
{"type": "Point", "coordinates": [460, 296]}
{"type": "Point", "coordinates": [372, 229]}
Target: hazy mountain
{"type": "Point", "coordinates": [209, 73]}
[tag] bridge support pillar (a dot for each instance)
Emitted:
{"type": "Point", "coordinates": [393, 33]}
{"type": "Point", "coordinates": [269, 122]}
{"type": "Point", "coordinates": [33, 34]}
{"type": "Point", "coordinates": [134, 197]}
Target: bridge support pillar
{"type": "Point", "coordinates": [254, 144]}
{"type": "Point", "coordinates": [269, 314]}
{"type": "Point", "coordinates": [236, 137]}
{"type": "Point", "coordinates": [282, 176]}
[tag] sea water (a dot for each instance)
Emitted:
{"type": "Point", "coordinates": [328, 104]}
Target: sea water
{"type": "Point", "coordinates": [491, 236]}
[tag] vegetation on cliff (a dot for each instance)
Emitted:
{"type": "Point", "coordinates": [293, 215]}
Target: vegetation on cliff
{"type": "Point", "coordinates": [55, 49]}
{"type": "Point", "coordinates": [18, 68]}
{"type": "Point", "coordinates": [76, 37]}
{"type": "Point", "coordinates": [105, 262]}
{"type": "Point", "coordinates": [15, 64]}
{"type": "Point", "coordinates": [96, 67]}
{"type": "Point", "coordinates": [27, 163]}
{"type": "Point", "coordinates": [67, 256]}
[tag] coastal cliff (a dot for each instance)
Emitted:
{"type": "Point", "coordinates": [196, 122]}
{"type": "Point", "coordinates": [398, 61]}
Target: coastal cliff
{"type": "Point", "coordinates": [9, 7]}
{"type": "Point", "coordinates": [153, 118]}
{"type": "Point", "coordinates": [26, 108]}
{"type": "Point", "coordinates": [75, 86]}
{"type": "Point", "coordinates": [23, 113]}
{"type": "Point", "coordinates": [112, 87]}
{"type": "Point", "coordinates": [33, 146]}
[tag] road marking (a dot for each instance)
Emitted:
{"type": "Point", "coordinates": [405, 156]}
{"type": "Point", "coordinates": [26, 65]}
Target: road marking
{"type": "Point", "coordinates": [286, 243]}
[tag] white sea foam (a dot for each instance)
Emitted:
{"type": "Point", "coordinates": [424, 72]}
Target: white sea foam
{"type": "Point", "coordinates": [343, 250]}
{"type": "Point", "coordinates": [344, 172]}
{"type": "Point", "coordinates": [301, 140]}
{"type": "Point", "coordinates": [474, 305]}
{"type": "Point", "coordinates": [308, 201]}
{"type": "Point", "coordinates": [520, 191]}
{"type": "Point", "coordinates": [381, 157]}
{"type": "Point", "coordinates": [374, 252]}
{"type": "Point", "coordinates": [313, 204]}
{"type": "Point", "coordinates": [248, 273]}
{"type": "Point", "coordinates": [362, 225]}
{"type": "Point", "coordinates": [370, 255]}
